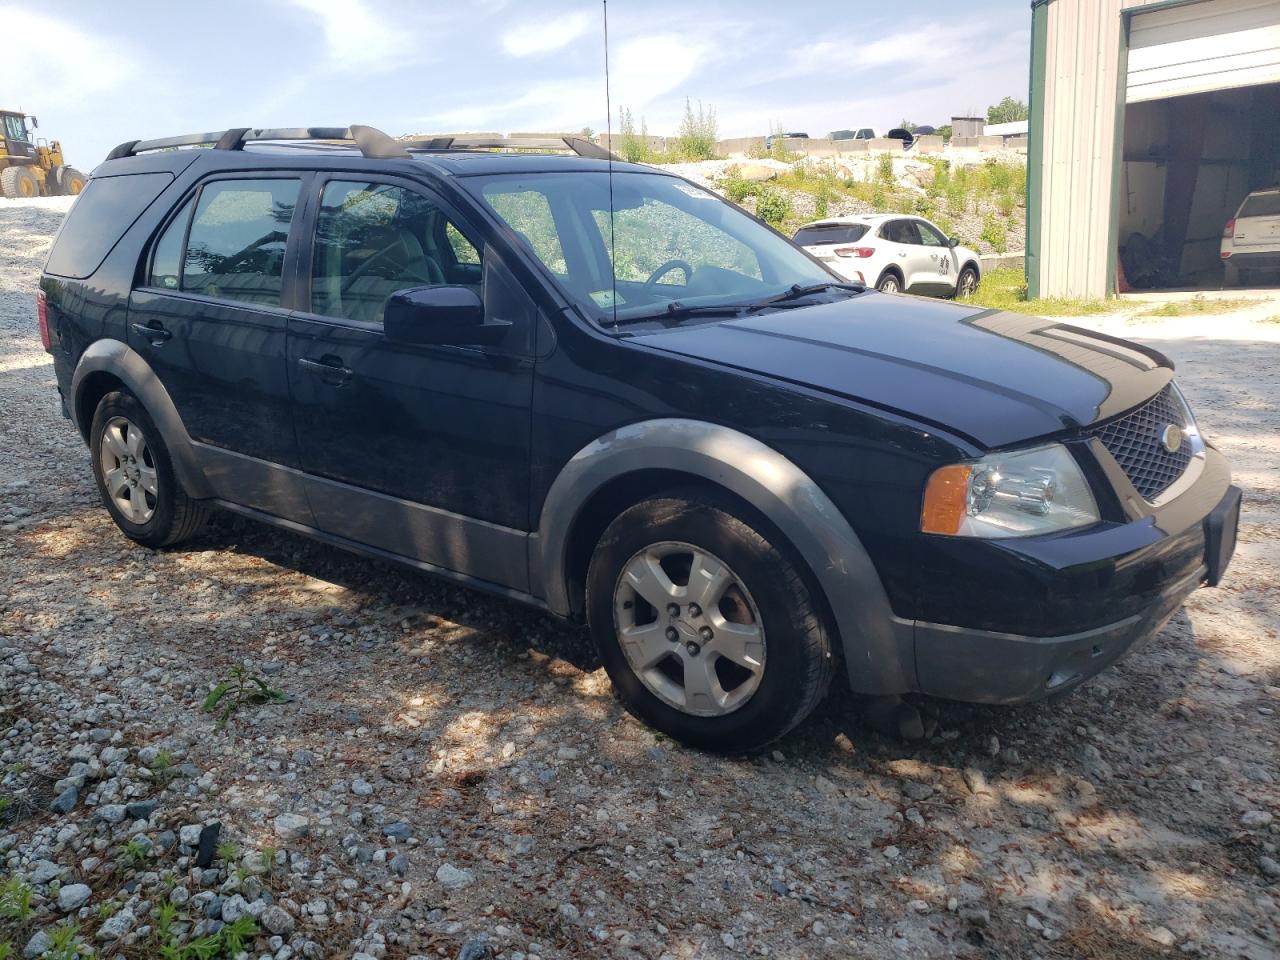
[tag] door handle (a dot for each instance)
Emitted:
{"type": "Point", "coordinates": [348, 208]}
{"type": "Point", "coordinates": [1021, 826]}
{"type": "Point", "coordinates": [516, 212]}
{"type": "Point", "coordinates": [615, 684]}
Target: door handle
{"type": "Point", "coordinates": [156, 335]}
{"type": "Point", "coordinates": [329, 369]}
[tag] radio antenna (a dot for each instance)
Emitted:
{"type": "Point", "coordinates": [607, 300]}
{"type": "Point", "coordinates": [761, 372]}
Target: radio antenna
{"type": "Point", "coordinates": [608, 123]}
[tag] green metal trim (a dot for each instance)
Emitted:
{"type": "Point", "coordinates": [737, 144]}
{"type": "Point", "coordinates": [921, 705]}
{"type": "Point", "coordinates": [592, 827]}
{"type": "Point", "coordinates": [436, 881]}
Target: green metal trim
{"type": "Point", "coordinates": [1117, 151]}
{"type": "Point", "coordinates": [1035, 147]}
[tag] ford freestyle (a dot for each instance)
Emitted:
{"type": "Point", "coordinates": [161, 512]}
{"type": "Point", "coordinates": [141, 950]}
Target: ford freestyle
{"type": "Point", "coordinates": [599, 389]}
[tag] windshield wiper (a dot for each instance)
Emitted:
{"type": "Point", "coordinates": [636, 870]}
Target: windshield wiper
{"type": "Point", "coordinates": [799, 291]}
{"type": "Point", "coordinates": [675, 311]}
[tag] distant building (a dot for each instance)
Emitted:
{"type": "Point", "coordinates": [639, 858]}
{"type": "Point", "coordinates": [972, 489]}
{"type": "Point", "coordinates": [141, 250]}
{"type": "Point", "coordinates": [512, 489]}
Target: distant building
{"type": "Point", "coordinates": [967, 126]}
{"type": "Point", "coordinates": [1150, 122]}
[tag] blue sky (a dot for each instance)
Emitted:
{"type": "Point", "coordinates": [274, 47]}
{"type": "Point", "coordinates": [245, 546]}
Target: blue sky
{"type": "Point", "coordinates": [98, 73]}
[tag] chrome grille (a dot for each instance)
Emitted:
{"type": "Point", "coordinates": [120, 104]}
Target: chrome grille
{"type": "Point", "coordinates": [1135, 441]}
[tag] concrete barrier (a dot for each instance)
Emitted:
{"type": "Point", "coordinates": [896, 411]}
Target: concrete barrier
{"type": "Point", "coordinates": [964, 143]}
{"type": "Point", "coordinates": [740, 146]}
{"type": "Point", "coordinates": [884, 145]}
{"type": "Point", "coordinates": [929, 144]}
{"type": "Point", "coordinates": [1016, 143]}
{"type": "Point", "coordinates": [990, 143]}
{"type": "Point", "coordinates": [1000, 261]}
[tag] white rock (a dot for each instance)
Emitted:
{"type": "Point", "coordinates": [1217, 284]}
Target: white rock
{"type": "Point", "coordinates": [453, 878]}
{"type": "Point", "coordinates": [291, 826]}
{"type": "Point", "coordinates": [73, 896]}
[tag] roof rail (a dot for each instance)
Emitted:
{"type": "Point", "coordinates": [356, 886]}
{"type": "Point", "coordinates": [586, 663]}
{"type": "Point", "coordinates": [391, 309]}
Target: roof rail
{"type": "Point", "coordinates": [372, 142]}
{"type": "Point", "coordinates": [516, 141]}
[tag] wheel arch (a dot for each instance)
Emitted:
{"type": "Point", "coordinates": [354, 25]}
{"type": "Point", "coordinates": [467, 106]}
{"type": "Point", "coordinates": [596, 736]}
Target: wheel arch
{"type": "Point", "coordinates": [111, 365]}
{"type": "Point", "coordinates": [894, 269]}
{"type": "Point", "coordinates": [626, 465]}
{"type": "Point", "coordinates": [971, 262]}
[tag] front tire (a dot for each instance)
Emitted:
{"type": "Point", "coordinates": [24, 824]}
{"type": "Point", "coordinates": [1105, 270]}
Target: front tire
{"type": "Point", "coordinates": [135, 476]}
{"type": "Point", "coordinates": [707, 628]}
{"type": "Point", "coordinates": [889, 283]}
{"type": "Point", "coordinates": [69, 181]}
{"type": "Point", "coordinates": [966, 283]}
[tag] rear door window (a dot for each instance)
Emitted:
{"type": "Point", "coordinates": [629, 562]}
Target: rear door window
{"type": "Point", "coordinates": [236, 247]}
{"type": "Point", "coordinates": [100, 216]}
{"type": "Point", "coordinates": [830, 234]}
{"type": "Point", "coordinates": [1262, 205]}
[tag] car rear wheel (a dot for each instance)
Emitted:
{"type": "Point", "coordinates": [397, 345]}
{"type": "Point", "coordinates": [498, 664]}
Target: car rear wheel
{"type": "Point", "coordinates": [135, 477]}
{"type": "Point", "coordinates": [889, 283]}
{"type": "Point", "coordinates": [706, 627]}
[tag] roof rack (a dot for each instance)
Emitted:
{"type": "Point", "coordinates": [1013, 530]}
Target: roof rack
{"type": "Point", "coordinates": [372, 142]}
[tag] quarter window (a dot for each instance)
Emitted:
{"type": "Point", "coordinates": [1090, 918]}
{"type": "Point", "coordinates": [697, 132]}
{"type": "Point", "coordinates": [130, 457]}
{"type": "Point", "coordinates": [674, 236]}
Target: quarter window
{"type": "Point", "coordinates": [236, 247]}
{"type": "Point", "coordinates": [373, 239]}
{"type": "Point", "coordinates": [166, 262]}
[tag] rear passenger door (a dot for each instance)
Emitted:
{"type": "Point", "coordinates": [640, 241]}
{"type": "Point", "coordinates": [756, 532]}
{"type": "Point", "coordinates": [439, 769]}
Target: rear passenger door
{"type": "Point", "coordinates": [211, 318]}
{"type": "Point", "coordinates": [422, 450]}
{"type": "Point", "coordinates": [904, 250]}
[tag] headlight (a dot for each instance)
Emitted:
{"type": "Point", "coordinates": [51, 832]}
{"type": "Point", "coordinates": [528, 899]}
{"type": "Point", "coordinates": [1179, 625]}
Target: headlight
{"type": "Point", "coordinates": [1015, 494]}
{"type": "Point", "coordinates": [1191, 430]}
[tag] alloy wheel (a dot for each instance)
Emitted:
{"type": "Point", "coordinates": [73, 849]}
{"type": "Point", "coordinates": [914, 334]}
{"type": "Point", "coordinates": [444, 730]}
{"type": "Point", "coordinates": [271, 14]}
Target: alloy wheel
{"type": "Point", "coordinates": [128, 470]}
{"type": "Point", "coordinates": [689, 629]}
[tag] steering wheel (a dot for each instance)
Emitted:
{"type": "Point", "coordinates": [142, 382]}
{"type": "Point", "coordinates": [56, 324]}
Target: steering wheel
{"type": "Point", "coordinates": [405, 273]}
{"type": "Point", "coordinates": [666, 268]}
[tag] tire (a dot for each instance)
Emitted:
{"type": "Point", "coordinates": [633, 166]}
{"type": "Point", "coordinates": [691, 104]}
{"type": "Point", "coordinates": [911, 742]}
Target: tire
{"type": "Point", "coordinates": [966, 283]}
{"type": "Point", "coordinates": [135, 476]}
{"type": "Point", "coordinates": [889, 282]}
{"type": "Point", "coordinates": [19, 182]}
{"type": "Point", "coordinates": [766, 605]}
{"type": "Point", "coordinates": [69, 181]}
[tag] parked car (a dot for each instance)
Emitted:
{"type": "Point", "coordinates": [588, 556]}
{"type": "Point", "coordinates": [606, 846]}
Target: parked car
{"type": "Point", "coordinates": [925, 131]}
{"type": "Point", "coordinates": [768, 141]}
{"type": "Point", "coordinates": [1251, 239]}
{"type": "Point", "coordinates": [601, 390]}
{"type": "Point", "coordinates": [862, 133]}
{"type": "Point", "coordinates": [906, 136]}
{"type": "Point", "coordinates": [893, 253]}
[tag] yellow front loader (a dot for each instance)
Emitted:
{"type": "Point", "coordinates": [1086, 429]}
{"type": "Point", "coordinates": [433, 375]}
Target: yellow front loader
{"type": "Point", "coordinates": [33, 168]}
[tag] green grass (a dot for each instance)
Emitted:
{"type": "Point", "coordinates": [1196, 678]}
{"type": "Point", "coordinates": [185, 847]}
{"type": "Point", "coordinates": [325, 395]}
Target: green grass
{"type": "Point", "coordinates": [1006, 289]}
{"type": "Point", "coordinates": [1198, 304]}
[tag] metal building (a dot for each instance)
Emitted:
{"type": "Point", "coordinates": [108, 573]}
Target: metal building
{"type": "Point", "coordinates": [1151, 120]}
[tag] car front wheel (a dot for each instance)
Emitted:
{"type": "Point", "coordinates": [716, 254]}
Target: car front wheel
{"type": "Point", "coordinates": [706, 627]}
{"type": "Point", "coordinates": [967, 283]}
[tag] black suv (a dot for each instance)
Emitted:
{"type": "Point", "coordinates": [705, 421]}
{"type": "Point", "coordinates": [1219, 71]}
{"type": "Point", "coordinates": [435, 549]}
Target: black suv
{"type": "Point", "coordinates": [600, 389]}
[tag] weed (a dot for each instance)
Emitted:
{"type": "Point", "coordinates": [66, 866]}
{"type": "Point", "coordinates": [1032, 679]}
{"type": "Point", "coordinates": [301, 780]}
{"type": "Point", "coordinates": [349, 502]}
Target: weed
{"type": "Point", "coordinates": [6, 950]}
{"type": "Point", "coordinates": [1006, 289]}
{"type": "Point", "coordinates": [15, 900]}
{"type": "Point", "coordinates": [135, 852]}
{"type": "Point", "coordinates": [884, 169]}
{"type": "Point", "coordinates": [698, 133]}
{"type": "Point", "coordinates": [779, 149]}
{"type": "Point", "coordinates": [772, 206]}
{"type": "Point", "coordinates": [228, 851]}
{"type": "Point", "coordinates": [268, 855]}
{"type": "Point", "coordinates": [242, 687]}
{"type": "Point", "coordinates": [64, 942]}
{"type": "Point", "coordinates": [995, 232]}
{"type": "Point", "coordinates": [635, 146]}
{"type": "Point", "coordinates": [1199, 304]}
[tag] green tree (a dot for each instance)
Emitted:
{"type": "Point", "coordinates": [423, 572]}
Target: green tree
{"type": "Point", "coordinates": [698, 132]}
{"type": "Point", "coordinates": [1007, 111]}
{"type": "Point", "coordinates": [907, 125]}
{"type": "Point", "coordinates": [944, 132]}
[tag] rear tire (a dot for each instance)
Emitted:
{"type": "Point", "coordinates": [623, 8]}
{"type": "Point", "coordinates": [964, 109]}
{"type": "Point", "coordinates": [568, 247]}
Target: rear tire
{"type": "Point", "coordinates": [135, 476]}
{"type": "Point", "coordinates": [740, 673]}
{"type": "Point", "coordinates": [889, 283]}
{"type": "Point", "coordinates": [19, 183]}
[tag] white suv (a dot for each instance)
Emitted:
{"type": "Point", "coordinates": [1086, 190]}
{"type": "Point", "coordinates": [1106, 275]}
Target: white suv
{"type": "Point", "coordinates": [893, 253]}
{"type": "Point", "coordinates": [1251, 239]}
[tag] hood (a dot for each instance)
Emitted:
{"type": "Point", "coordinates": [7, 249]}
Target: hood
{"type": "Point", "coordinates": [997, 378]}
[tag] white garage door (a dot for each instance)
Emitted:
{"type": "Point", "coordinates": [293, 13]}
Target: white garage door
{"type": "Point", "coordinates": [1203, 46]}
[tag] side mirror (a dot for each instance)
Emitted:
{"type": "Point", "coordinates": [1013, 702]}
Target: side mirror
{"type": "Point", "coordinates": [34, 123]}
{"type": "Point", "coordinates": [451, 315]}
{"type": "Point", "coordinates": [953, 241]}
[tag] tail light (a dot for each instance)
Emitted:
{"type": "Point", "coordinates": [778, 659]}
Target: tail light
{"type": "Point", "coordinates": [1230, 229]}
{"type": "Point", "coordinates": [854, 251]}
{"type": "Point", "coordinates": [42, 318]}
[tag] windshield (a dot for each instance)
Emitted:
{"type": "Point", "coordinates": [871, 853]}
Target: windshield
{"type": "Point", "coordinates": [830, 233]}
{"type": "Point", "coordinates": [674, 245]}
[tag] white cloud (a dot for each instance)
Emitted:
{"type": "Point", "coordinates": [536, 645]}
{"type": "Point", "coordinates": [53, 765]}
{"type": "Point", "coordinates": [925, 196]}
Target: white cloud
{"type": "Point", "coordinates": [358, 37]}
{"type": "Point", "coordinates": [531, 39]}
{"type": "Point", "coordinates": [51, 64]}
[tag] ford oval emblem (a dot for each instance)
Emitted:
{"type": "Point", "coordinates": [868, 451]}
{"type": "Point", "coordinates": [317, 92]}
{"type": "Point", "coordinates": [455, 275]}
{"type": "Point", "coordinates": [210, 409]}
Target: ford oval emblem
{"type": "Point", "coordinates": [1171, 437]}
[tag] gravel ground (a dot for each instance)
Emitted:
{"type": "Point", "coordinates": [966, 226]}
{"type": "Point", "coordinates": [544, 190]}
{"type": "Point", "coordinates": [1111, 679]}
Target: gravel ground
{"type": "Point", "coordinates": [450, 775]}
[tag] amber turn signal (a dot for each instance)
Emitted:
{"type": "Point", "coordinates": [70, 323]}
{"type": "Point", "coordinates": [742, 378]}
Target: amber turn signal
{"type": "Point", "coordinates": [946, 498]}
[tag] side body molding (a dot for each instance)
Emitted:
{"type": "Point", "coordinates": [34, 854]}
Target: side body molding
{"type": "Point", "coordinates": [119, 360]}
{"type": "Point", "coordinates": [878, 648]}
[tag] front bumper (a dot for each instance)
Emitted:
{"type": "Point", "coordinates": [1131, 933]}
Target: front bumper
{"type": "Point", "coordinates": [986, 666]}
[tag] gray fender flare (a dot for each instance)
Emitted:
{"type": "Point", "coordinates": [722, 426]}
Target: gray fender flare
{"type": "Point", "coordinates": [878, 647]}
{"type": "Point", "coordinates": [119, 360]}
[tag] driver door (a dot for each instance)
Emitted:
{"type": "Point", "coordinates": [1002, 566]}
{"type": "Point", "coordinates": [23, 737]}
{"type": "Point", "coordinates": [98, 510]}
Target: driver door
{"type": "Point", "coordinates": [421, 450]}
{"type": "Point", "coordinates": [937, 264]}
